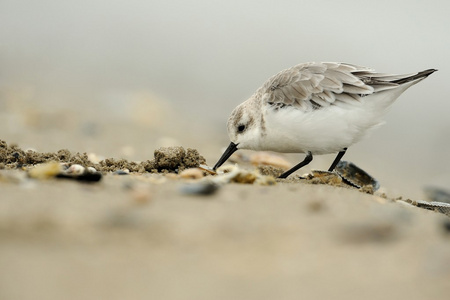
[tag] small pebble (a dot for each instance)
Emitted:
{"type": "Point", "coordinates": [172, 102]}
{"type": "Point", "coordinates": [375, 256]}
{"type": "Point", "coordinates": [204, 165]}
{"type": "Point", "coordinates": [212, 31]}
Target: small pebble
{"type": "Point", "coordinates": [192, 173]}
{"type": "Point", "coordinates": [91, 170]}
{"type": "Point", "coordinates": [199, 188]}
{"type": "Point", "coordinates": [122, 172]}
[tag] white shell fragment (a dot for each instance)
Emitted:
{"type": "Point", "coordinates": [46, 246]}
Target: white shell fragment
{"type": "Point", "coordinates": [91, 170]}
{"type": "Point", "coordinates": [75, 169]}
{"type": "Point", "coordinates": [207, 169]}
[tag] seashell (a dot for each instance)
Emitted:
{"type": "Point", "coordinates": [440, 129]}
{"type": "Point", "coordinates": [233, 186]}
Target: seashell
{"type": "Point", "coordinates": [435, 206]}
{"type": "Point", "coordinates": [45, 171]}
{"type": "Point", "coordinates": [75, 169]}
{"type": "Point", "coordinates": [265, 158]}
{"type": "Point", "coordinates": [207, 169]}
{"type": "Point", "coordinates": [192, 173]}
{"type": "Point", "coordinates": [355, 176]}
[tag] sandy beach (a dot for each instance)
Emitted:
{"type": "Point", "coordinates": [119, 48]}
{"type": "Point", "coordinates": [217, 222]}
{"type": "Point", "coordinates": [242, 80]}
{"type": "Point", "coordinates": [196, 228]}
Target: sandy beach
{"type": "Point", "coordinates": [139, 236]}
{"type": "Point", "coordinates": [108, 108]}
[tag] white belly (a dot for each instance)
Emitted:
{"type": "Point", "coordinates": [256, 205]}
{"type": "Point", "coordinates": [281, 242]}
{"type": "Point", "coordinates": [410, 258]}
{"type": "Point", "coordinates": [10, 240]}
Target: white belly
{"type": "Point", "coordinates": [322, 131]}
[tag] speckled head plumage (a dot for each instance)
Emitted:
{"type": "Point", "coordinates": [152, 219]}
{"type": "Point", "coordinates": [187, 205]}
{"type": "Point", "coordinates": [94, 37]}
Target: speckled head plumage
{"type": "Point", "coordinates": [246, 123]}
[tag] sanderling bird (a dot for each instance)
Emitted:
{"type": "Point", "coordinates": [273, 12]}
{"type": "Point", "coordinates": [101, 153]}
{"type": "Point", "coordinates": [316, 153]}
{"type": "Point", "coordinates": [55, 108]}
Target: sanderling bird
{"type": "Point", "coordinates": [315, 108]}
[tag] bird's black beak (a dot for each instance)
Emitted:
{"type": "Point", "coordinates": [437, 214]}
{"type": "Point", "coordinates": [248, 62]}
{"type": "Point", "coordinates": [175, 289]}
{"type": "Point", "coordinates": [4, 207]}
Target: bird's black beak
{"type": "Point", "coordinates": [230, 150]}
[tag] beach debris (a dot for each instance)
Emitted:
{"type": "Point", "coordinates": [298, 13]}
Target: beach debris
{"type": "Point", "coordinates": [191, 173]}
{"type": "Point", "coordinates": [91, 169]}
{"type": "Point", "coordinates": [80, 173]}
{"type": "Point", "coordinates": [357, 177]}
{"type": "Point", "coordinates": [440, 207]}
{"type": "Point", "coordinates": [436, 194]}
{"type": "Point", "coordinates": [324, 177]}
{"type": "Point", "coordinates": [269, 159]}
{"type": "Point", "coordinates": [232, 173]}
{"type": "Point", "coordinates": [207, 169]}
{"type": "Point", "coordinates": [45, 171]}
{"type": "Point", "coordinates": [75, 169]}
{"type": "Point", "coordinates": [122, 172]}
{"type": "Point", "coordinates": [204, 188]}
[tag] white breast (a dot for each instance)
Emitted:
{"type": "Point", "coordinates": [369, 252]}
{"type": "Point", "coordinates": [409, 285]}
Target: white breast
{"type": "Point", "coordinates": [322, 131]}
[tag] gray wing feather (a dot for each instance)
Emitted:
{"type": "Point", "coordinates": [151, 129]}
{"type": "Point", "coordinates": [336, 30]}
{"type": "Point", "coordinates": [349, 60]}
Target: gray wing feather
{"type": "Point", "coordinates": [315, 85]}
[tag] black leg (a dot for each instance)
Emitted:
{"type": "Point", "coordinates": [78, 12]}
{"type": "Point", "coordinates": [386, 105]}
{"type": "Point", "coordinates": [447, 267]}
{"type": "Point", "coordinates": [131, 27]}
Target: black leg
{"type": "Point", "coordinates": [306, 161]}
{"type": "Point", "coordinates": [337, 160]}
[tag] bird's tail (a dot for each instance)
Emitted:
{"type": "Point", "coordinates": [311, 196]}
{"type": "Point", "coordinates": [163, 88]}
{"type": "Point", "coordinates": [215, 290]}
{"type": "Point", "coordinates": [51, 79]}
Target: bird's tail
{"type": "Point", "coordinates": [419, 75]}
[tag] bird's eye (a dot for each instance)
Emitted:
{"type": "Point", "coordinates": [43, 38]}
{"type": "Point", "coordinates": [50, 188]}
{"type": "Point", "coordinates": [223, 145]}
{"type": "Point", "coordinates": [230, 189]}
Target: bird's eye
{"type": "Point", "coordinates": [241, 128]}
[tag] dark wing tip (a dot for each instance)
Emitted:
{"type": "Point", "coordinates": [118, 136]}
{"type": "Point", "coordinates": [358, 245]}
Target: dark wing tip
{"type": "Point", "coordinates": [419, 75]}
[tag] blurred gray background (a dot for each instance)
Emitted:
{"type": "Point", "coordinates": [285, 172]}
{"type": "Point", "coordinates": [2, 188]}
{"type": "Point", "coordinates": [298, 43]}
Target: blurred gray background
{"type": "Point", "coordinates": [120, 78]}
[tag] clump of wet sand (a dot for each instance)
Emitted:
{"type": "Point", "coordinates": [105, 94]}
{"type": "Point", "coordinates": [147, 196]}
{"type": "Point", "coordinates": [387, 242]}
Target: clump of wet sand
{"type": "Point", "coordinates": [166, 159]}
